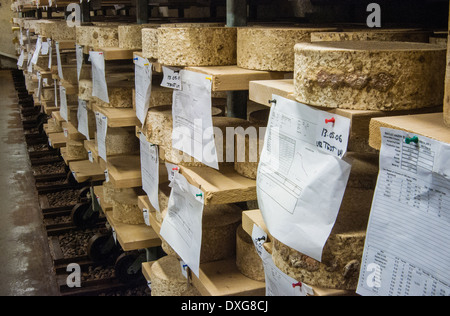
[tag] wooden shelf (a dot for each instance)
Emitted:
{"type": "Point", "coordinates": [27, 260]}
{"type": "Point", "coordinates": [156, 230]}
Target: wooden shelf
{"type": "Point", "coordinates": [87, 171]}
{"type": "Point", "coordinates": [428, 125]}
{"type": "Point", "coordinates": [57, 140]}
{"type": "Point", "coordinates": [56, 115]}
{"type": "Point", "coordinates": [133, 237]}
{"type": "Point", "coordinates": [125, 171]}
{"type": "Point", "coordinates": [221, 187]}
{"type": "Point", "coordinates": [233, 78]}
{"type": "Point", "coordinates": [66, 44]}
{"type": "Point", "coordinates": [72, 132]}
{"type": "Point", "coordinates": [91, 146]}
{"type": "Point", "coordinates": [98, 191]}
{"type": "Point", "coordinates": [118, 117]}
{"type": "Point", "coordinates": [116, 53]}
{"type": "Point", "coordinates": [144, 203]}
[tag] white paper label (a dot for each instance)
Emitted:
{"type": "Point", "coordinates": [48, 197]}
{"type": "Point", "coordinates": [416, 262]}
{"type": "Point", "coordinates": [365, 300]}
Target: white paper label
{"type": "Point", "coordinates": [37, 51]}
{"type": "Point", "coordinates": [50, 53]}
{"type": "Point", "coordinates": [45, 48]}
{"type": "Point", "coordinates": [193, 131]}
{"type": "Point", "coordinates": [150, 171]}
{"type": "Point", "coordinates": [82, 115]}
{"type": "Point", "coordinates": [102, 128]}
{"type": "Point", "coordinates": [21, 59]}
{"type": "Point", "coordinates": [79, 53]}
{"type": "Point", "coordinates": [146, 214]}
{"type": "Point", "coordinates": [63, 103]}
{"type": "Point", "coordinates": [143, 87]}
{"type": "Point", "coordinates": [300, 187]}
{"type": "Point", "coordinates": [58, 60]}
{"type": "Point", "coordinates": [99, 86]}
{"type": "Point", "coordinates": [171, 78]}
{"type": "Point", "coordinates": [182, 226]}
{"type": "Point", "coordinates": [407, 238]}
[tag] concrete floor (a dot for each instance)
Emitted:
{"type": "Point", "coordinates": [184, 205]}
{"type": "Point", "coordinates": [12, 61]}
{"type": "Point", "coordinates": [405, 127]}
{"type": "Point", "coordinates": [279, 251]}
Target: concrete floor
{"type": "Point", "coordinates": [25, 261]}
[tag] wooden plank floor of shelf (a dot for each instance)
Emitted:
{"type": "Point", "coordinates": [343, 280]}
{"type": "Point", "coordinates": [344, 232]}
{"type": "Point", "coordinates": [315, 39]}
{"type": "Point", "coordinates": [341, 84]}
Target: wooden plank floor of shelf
{"type": "Point", "coordinates": [144, 203]}
{"type": "Point", "coordinates": [428, 125]}
{"type": "Point", "coordinates": [72, 132]}
{"type": "Point", "coordinates": [86, 171]}
{"type": "Point", "coordinates": [133, 237]}
{"type": "Point", "coordinates": [125, 171]}
{"type": "Point", "coordinates": [116, 53]}
{"type": "Point", "coordinates": [249, 218]}
{"type": "Point", "coordinates": [57, 140]}
{"type": "Point", "coordinates": [233, 78]}
{"type": "Point", "coordinates": [66, 44]}
{"type": "Point", "coordinates": [98, 191]}
{"type": "Point", "coordinates": [49, 107]}
{"type": "Point", "coordinates": [56, 115]}
{"type": "Point", "coordinates": [91, 146]}
{"type": "Point", "coordinates": [48, 131]}
{"type": "Point", "coordinates": [118, 117]}
{"type": "Point", "coordinates": [221, 187]}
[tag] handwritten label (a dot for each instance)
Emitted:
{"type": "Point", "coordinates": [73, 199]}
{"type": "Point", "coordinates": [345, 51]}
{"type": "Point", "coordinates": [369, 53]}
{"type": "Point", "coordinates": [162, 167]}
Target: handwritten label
{"type": "Point", "coordinates": [172, 78]}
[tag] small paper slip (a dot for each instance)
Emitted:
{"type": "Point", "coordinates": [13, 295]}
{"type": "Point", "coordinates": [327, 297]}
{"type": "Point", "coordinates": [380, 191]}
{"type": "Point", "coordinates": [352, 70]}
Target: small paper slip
{"type": "Point", "coordinates": [79, 54]}
{"type": "Point", "coordinates": [99, 86]}
{"type": "Point", "coordinates": [21, 59]}
{"type": "Point", "coordinates": [102, 128]}
{"type": "Point", "coordinates": [63, 103]}
{"type": "Point", "coordinates": [300, 186]}
{"type": "Point", "coordinates": [182, 226]}
{"type": "Point", "coordinates": [37, 51]}
{"type": "Point", "coordinates": [45, 48]}
{"type": "Point", "coordinates": [50, 53]}
{"type": "Point", "coordinates": [171, 78]}
{"type": "Point", "coordinates": [408, 235]}
{"type": "Point", "coordinates": [82, 115]}
{"type": "Point", "coordinates": [277, 282]}
{"type": "Point", "coordinates": [143, 87]}
{"type": "Point", "coordinates": [193, 131]}
{"type": "Point", "coordinates": [150, 171]}
{"type": "Point", "coordinates": [58, 60]}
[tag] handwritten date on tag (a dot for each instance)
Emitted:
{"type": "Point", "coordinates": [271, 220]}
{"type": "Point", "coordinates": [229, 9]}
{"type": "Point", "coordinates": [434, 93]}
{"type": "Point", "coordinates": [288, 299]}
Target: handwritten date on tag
{"type": "Point", "coordinates": [333, 134]}
{"type": "Point", "coordinates": [172, 78]}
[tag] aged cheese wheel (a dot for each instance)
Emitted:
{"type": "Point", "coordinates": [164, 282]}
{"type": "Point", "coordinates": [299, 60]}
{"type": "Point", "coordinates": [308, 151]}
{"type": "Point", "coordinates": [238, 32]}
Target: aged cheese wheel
{"type": "Point", "coordinates": [248, 261]}
{"type": "Point", "coordinates": [391, 35]}
{"type": "Point", "coordinates": [120, 94]}
{"type": "Point", "coordinates": [75, 149]}
{"type": "Point", "coordinates": [150, 42]}
{"type": "Point", "coordinates": [57, 30]}
{"type": "Point", "coordinates": [130, 36]}
{"type": "Point", "coordinates": [125, 207]}
{"type": "Point", "coordinates": [271, 48]}
{"type": "Point", "coordinates": [109, 191]}
{"type": "Point", "coordinates": [168, 280]}
{"type": "Point", "coordinates": [219, 226]}
{"type": "Point", "coordinates": [370, 75]}
{"type": "Point", "coordinates": [342, 253]}
{"type": "Point", "coordinates": [85, 89]}
{"type": "Point", "coordinates": [248, 148]}
{"type": "Point", "coordinates": [121, 140]}
{"type": "Point", "coordinates": [196, 45]}
{"type": "Point", "coordinates": [159, 127]}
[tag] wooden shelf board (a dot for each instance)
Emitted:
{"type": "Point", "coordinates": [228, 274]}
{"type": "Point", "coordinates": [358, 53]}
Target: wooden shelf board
{"type": "Point", "coordinates": [57, 140]}
{"type": "Point", "coordinates": [221, 187]}
{"type": "Point", "coordinates": [91, 146]}
{"type": "Point", "coordinates": [66, 44]}
{"type": "Point", "coordinates": [133, 237]}
{"type": "Point", "coordinates": [144, 202]}
{"type": "Point", "coordinates": [116, 53]}
{"type": "Point", "coordinates": [72, 132]}
{"type": "Point", "coordinates": [233, 78]}
{"type": "Point", "coordinates": [428, 125]}
{"type": "Point", "coordinates": [56, 115]}
{"type": "Point", "coordinates": [98, 191]}
{"type": "Point", "coordinates": [125, 171]}
{"type": "Point", "coordinates": [118, 117]}
{"type": "Point", "coordinates": [87, 171]}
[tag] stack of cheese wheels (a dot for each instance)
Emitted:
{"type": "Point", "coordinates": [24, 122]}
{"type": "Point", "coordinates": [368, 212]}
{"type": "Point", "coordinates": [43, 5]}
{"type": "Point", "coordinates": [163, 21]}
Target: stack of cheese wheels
{"type": "Point", "coordinates": [369, 75]}
{"type": "Point", "coordinates": [57, 30]}
{"type": "Point", "coordinates": [248, 261]}
{"type": "Point", "coordinates": [168, 280]}
{"type": "Point", "coordinates": [159, 127]}
{"type": "Point", "coordinates": [341, 259]}
{"type": "Point", "coordinates": [390, 35]}
{"type": "Point", "coordinates": [130, 35]}
{"type": "Point", "coordinates": [76, 150]}
{"type": "Point", "coordinates": [219, 226]}
{"type": "Point", "coordinates": [271, 48]}
{"type": "Point", "coordinates": [183, 45]}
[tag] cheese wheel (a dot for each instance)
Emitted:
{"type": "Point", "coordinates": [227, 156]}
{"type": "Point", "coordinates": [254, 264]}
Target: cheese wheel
{"type": "Point", "coordinates": [390, 35]}
{"type": "Point", "coordinates": [248, 261]}
{"type": "Point", "coordinates": [125, 207]}
{"type": "Point", "coordinates": [197, 45]}
{"type": "Point", "coordinates": [370, 75]}
{"type": "Point", "coordinates": [271, 48]}
{"type": "Point", "coordinates": [130, 36]}
{"type": "Point", "coordinates": [75, 149]}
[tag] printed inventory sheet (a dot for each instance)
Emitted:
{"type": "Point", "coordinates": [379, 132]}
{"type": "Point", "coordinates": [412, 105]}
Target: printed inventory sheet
{"type": "Point", "coordinates": [407, 244]}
